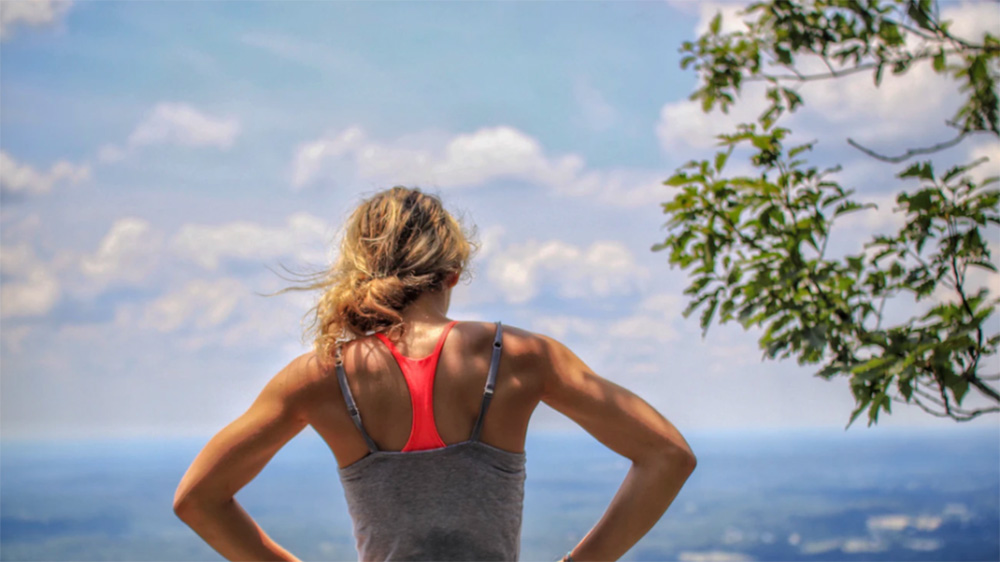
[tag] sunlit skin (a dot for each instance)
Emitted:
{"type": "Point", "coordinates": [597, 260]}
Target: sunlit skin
{"type": "Point", "coordinates": [533, 369]}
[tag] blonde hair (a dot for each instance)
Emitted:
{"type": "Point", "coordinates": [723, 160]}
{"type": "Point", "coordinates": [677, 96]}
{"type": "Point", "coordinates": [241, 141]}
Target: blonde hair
{"type": "Point", "coordinates": [397, 245]}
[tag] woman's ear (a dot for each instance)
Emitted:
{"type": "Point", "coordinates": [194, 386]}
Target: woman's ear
{"type": "Point", "coordinates": [451, 280]}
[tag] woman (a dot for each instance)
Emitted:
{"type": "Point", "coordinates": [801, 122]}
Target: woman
{"type": "Point", "coordinates": [425, 415]}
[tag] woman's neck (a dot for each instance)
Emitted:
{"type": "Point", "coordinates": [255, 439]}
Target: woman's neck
{"type": "Point", "coordinates": [429, 308]}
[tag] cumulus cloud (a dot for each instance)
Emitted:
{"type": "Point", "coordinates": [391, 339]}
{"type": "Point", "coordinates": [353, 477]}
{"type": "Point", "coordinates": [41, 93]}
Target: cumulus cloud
{"type": "Point", "coordinates": [683, 125]}
{"type": "Point", "coordinates": [304, 236]}
{"type": "Point", "coordinates": [971, 20]}
{"type": "Point", "coordinates": [22, 178]}
{"type": "Point", "coordinates": [988, 168]}
{"type": "Point", "coordinates": [32, 288]}
{"type": "Point", "coordinates": [179, 124]}
{"type": "Point", "coordinates": [30, 13]}
{"type": "Point", "coordinates": [466, 160]}
{"type": "Point", "coordinates": [199, 304]}
{"type": "Point", "coordinates": [128, 252]}
{"type": "Point", "coordinates": [732, 20]}
{"type": "Point", "coordinates": [604, 268]}
{"type": "Point", "coordinates": [220, 312]}
{"type": "Point", "coordinates": [646, 324]}
{"type": "Point", "coordinates": [133, 249]}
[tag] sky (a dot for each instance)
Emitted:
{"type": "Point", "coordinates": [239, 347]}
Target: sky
{"type": "Point", "coordinates": [161, 161]}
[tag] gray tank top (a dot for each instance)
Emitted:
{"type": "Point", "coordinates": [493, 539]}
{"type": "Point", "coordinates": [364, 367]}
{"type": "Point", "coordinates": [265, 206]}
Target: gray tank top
{"type": "Point", "coordinates": [458, 502]}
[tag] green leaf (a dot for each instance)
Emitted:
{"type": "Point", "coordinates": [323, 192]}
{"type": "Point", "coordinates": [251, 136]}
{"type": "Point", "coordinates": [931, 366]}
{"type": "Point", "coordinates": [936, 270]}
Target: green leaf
{"type": "Point", "coordinates": [889, 32]}
{"type": "Point", "coordinates": [918, 14]}
{"type": "Point", "coordinates": [920, 201]}
{"type": "Point", "coordinates": [857, 412]}
{"type": "Point", "coordinates": [871, 364]}
{"type": "Point", "coordinates": [678, 179]}
{"type": "Point", "coordinates": [959, 386]}
{"type": "Point", "coordinates": [720, 160]}
{"type": "Point", "coordinates": [716, 23]}
{"type": "Point", "coordinates": [783, 55]}
{"type": "Point", "coordinates": [923, 170]}
{"type": "Point", "coordinates": [984, 264]}
{"type": "Point", "coordinates": [939, 61]}
{"type": "Point", "coordinates": [850, 206]}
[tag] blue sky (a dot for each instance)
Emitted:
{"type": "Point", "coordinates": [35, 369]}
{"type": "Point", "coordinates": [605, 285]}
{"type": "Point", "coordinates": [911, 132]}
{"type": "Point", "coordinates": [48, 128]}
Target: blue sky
{"type": "Point", "coordinates": [157, 158]}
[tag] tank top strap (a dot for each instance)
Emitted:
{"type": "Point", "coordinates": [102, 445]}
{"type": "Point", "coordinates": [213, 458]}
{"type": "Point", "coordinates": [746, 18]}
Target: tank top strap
{"type": "Point", "coordinates": [491, 379]}
{"type": "Point", "coordinates": [352, 408]}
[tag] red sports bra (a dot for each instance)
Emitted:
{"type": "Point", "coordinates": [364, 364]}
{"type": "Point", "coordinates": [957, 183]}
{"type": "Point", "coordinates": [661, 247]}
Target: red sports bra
{"type": "Point", "coordinates": [419, 375]}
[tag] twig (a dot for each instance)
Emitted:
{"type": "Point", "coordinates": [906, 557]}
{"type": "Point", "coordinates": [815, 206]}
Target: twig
{"type": "Point", "coordinates": [911, 152]}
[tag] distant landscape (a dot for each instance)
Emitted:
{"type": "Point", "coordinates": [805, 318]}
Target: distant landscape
{"type": "Point", "coordinates": [870, 494]}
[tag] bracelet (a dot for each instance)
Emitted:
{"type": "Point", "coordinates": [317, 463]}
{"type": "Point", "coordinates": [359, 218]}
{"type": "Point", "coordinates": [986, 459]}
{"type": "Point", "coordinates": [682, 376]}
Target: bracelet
{"type": "Point", "coordinates": [567, 558]}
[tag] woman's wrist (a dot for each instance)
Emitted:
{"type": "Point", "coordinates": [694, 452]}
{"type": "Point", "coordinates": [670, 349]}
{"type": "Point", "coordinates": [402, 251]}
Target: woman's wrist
{"type": "Point", "coordinates": [567, 557]}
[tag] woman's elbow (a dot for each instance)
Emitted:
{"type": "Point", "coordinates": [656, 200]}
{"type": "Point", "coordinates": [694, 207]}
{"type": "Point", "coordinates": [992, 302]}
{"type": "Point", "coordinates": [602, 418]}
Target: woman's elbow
{"type": "Point", "coordinates": [186, 507]}
{"type": "Point", "coordinates": [678, 458]}
{"type": "Point", "coordinates": [189, 507]}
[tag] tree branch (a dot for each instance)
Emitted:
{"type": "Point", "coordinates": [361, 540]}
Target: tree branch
{"type": "Point", "coordinates": [913, 151]}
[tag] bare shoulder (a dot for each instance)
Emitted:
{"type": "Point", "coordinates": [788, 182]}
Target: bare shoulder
{"type": "Point", "coordinates": [524, 344]}
{"type": "Point", "coordinates": [516, 341]}
{"type": "Point", "coordinates": [300, 380]}
{"type": "Point", "coordinates": [526, 352]}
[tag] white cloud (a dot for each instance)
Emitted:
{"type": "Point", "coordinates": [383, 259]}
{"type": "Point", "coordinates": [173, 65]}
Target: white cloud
{"type": "Point", "coordinates": [127, 253]}
{"type": "Point", "coordinates": [31, 13]}
{"type": "Point", "coordinates": [33, 288]}
{"type": "Point", "coordinates": [199, 304]}
{"type": "Point", "coordinates": [310, 156]}
{"type": "Point", "coordinates": [220, 312]}
{"type": "Point", "coordinates": [970, 20]}
{"type": "Point", "coordinates": [605, 268]}
{"type": "Point", "coordinates": [638, 341]}
{"type": "Point", "coordinates": [466, 160]}
{"type": "Point", "coordinates": [684, 126]}
{"type": "Point", "coordinates": [731, 19]}
{"type": "Point", "coordinates": [852, 106]}
{"type": "Point", "coordinates": [991, 167]}
{"type": "Point", "coordinates": [899, 522]}
{"type": "Point", "coordinates": [182, 124]}
{"type": "Point", "coordinates": [855, 545]}
{"type": "Point", "coordinates": [304, 236]}
{"type": "Point", "coordinates": [22, 178]}
{"type": "Point", "coordinates": [490, 241]}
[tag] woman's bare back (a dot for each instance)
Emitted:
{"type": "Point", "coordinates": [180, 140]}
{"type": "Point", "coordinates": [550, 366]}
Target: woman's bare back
{"type": "Point", "coordinates": [383, 399]}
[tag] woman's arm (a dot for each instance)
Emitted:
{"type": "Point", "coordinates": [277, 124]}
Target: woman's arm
{"type": "Point", "coordinates": [232, 458]}
{"type": "Point", "coordinates": [661, 459]}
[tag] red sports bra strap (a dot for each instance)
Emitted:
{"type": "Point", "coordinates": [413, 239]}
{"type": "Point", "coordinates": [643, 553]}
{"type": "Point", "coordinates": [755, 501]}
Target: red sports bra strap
{"type": "Point", "coordinates": [444, 335]}
{"type": "Point", "coordinates": [419, 375]}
